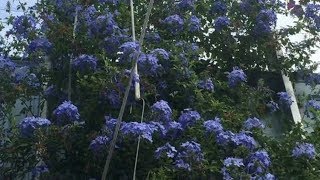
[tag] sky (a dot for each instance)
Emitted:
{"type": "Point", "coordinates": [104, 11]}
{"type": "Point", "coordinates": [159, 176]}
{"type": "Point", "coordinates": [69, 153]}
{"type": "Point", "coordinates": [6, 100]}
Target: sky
{"type": "Point", "coordinates": [282, 22]}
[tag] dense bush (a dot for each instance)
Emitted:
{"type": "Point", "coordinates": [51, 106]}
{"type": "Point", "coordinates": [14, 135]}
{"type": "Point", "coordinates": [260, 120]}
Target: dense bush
{"type": "Point", "coordinates": [202, 108]}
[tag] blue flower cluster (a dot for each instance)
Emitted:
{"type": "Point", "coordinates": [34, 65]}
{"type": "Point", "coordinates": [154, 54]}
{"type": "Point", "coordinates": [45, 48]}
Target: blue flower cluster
{"type": "Point", "coordinates": [229, 138]}
{"type": "Point", "coordinates": [29, 124]}
{"type": "Point", "coordinates": [284, 99]}
{"type": "Point", "coordinates": [99, 144]}
{"type": "Point", "coordinates": [23, 75]}
{"type": "Point", "coordinates": [252, 123]}
{"type": "Point", "coordinates": [264, 21]}
{"type": "Point", "coordinates": [186, 4]}
{"type": "Point", "coordinates": [149, 64]}
{"type": "Point", "coordinates": [304, 150]}
{"type": "Point", "coordinates": [221, 23]}
{"type": "Point", "coordinates": [191, 153]}
{"type": "Point", "coordinates": [6, 65]}
{"type": "Point", "coordinates": [138, 129]}
{"type": "Point", "coordinates": [167, 149]}
{"type": "Point", "coordinates": [206, 85]}
{"type": "Point", "coordinates": [160, 53]}
{"type": "Point", "coordinates": [236, 76]}
{"type": "Point", "coordinates": [313, 14]}
{"type": "Point", "coordinates": [22, 26]}
{"type": "Point", "coordinates": [194, 24]}
{"type": "Point", "coordinates": [85, 63]}
{"type": "Point", "coordinates": [66, 113]}
{"type": "Point", "coordinates": [189, 118]}
{"type": "Point", "coordinates": [256, 165]}
{"type": "Point", "coordinates": [54, 92]}
{"type": "Point", "coordinates": [40, 44]}
{"type": "Point", "coordinates": [213, 126]}
{"type": "Point", "coordinates": [273, 106]}
{"type": "Point", "coordinates": [218, 8]}
{"type": "Point", "coordinates": [102, 25]}
{"type": "Point", "coordinates": [174, 24]}
{"type": "Point", "coordinates": [162, 111]}
{"type": "Point", "coordinates": [129, 49]}
{"type": "Point", "coordinates": [153, 37]}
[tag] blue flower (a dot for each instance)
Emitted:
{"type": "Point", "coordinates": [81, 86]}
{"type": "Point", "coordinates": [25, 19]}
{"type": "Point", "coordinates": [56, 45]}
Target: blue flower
{"type": "Point", "coordinates": [174, 23]}
{"type": "Point", "coordinates": [110, 123]}
{"type": "Point", "coordinates": [264, 21]}
{"type": "Point", "coordinates": [40, 168]}
{"type": "Point", "coordinates": [186, 4]}
{"type": "Point", "coordinates": [134, 128]}
{"type": "Point", "coordinates": [112, 44]}
{"type": "Point", "coordinates": [213, 126]}
{"type": "Point", "coordinates": [148, 64]}
{"type": "Point", "coordinates": [191, 153]}
{"type": "Point", "coordinates": [194, 24]}
{"type": "Point", "coordinates": [251, 123]}
{"type": "Point", "coordinates": [219, 8]}
{"type": "Point", "coordinates": [206, 85]}
{"type": "Point", "coordinates": [304, 149]}
{"type": "Point", "coordinates": [167, 149]}
{"type": "Point", "coordinates": [236, 76]}
{"type": "Point", "coordinates": [284, 99]}
{"type": "Point", "coordinates": [233, 162]}
{"type": "Point", "coordinates": [85, 63]}
{"type": "Point", "coordinates": [224, 137]}
{"type": "Point", "coordinates": [221, 22]}
{"type": "Point", "coordinates": [29, 124]}
{"type": "Point", "coordinates": [129, 49]}
{"type": "Point", "coordinates": [313, 14]}
{"type": "Point", "coordinates": [66, 113]}
{"type": "Point", "coordinates": [22, 26]}
{"type": "Point", "coordinates": [162, 111]}
{"type": "Point", "coordinates": [189, 118]}
{"type": "Point", "coordinates": [242, 139]}
{"type": "Point", "coordinates": [173, 129]}
{"type": "Point", "coordinates": [153, 37]}
{"type": "Point", "coordinates": [160, 53]}
{"type": "Point", "coordinates": [99, 144]}
{"type": "Point", "coordinates": [103, 25]}
{"type": "Point", "coordinates": [273, 106]}
{"type": "Point", "coordinates": [114, 98]}
{"type": "Point", "coordinates": [258, 162]}
{"type": "Point", "coordinates": [6, 65]}
{"type": "Point", "coordinates": [40, 44]}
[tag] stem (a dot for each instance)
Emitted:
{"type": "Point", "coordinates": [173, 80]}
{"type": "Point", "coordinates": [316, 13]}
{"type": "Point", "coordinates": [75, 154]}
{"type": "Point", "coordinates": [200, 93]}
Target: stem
{"type": "Point", "coordinates": [70, 62]}
{"type": "Point", "coordinates": [124, 102]}
{"type": "Point", "coordinates": [138, 145]}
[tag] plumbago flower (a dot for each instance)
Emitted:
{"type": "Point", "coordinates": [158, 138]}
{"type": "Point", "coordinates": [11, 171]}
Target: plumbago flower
{"type": "Point", "coordinates": [99, 144]}
{"type": "Point", "coordinates": [273, 106]}
{"type": "Point", "coordinates": [264, 21]}
{"type": "Point", "coordinates": [206, 85]}
{"type": "Point", "coordinates": [174, 24]}
{"type": "Point", "coordinates": [66, 113]}
{"type": "Point", "coordinates": [85, 63]}
{"type": "Point", "coordinates": [191, 153]}
{"type": "Point", "coordinates": [231, 166]}
{"type": "Point", "coordinates": [148, 64]}
{"type": "Point", "coordinates": [167, 150]}
{"type": "Point", "coordinates": [162, 111]}
{"type": "Point", "coordinates": [221, 22]}
{"type": "Point", "coordinates": [6, 65]}
{"type": "Point", "coordinates": [189, 118]}
{"type": "Point", "coordinates": [40, 44]}
{"type": "Point", "coordinates": [285, 99]}
{"type": "Point", "coordinates": [251, 123]}
{"type": "Point", "coordinates": [129, 49]}
{"type": "Point", "coordinates": [102, 25]}
{"type": "Point", "coordinates": [160, 53]}
{"type": "Point", "coordinates": [138, 129]}
{"type": "Point", "coordinates": [313, 14]}
{"type": "Point", "coordinates": [218, 8]}
{"type": "Point", "coordinates": [242, 139]}
{"type": "Point", "coordinates": [213, 126]}
{"type": "Point", "coordinates": [186, 4]}
{"type": "Point", "coordinates": [258, 162]}
{"type": "Point", "coordinates": [236, 76]}
{"type": "Point", "coordinates": [22, 26]}
{"type": "Point", "coordinates": [194, 24]}
{"type": "Point", "coordinates": [29, 124]}
{"type": "Point", "coordinates": [304, 150]}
